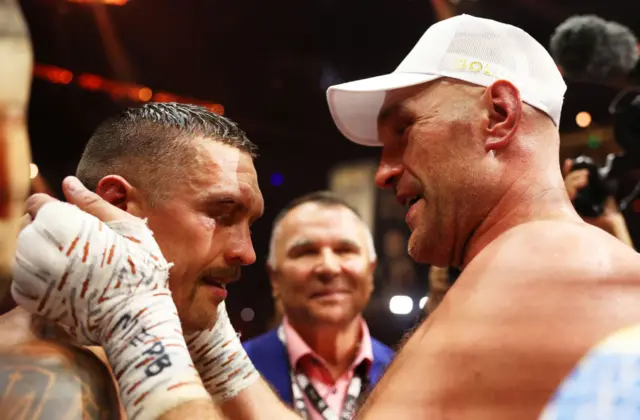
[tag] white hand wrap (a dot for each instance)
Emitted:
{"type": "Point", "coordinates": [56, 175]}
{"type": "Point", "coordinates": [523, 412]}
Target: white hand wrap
{"type": "Point", "coordinates": [111, 289]}
{"type": "Point", "coordinates": [220, 359]}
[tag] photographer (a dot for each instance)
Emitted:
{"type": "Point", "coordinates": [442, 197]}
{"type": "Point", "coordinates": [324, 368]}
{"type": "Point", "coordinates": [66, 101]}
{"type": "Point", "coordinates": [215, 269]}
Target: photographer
{"type": "Point", "coordinates": [611, 220]}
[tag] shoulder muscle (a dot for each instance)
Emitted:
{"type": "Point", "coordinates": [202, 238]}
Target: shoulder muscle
{"type": "Point", "coordinates": [60, 382]}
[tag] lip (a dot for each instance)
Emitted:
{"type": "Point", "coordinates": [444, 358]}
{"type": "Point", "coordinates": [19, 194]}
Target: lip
{"type": "Point", "coordinates": [402, 197]}
{"type": "Point", "coordinates": [216, 290]}
{"type": "Point", "coordinates": [411, 212]}
{"type": "Point", "coordinates": [329, 294]}
{"type": "Point", "coordinates": [406, 189]}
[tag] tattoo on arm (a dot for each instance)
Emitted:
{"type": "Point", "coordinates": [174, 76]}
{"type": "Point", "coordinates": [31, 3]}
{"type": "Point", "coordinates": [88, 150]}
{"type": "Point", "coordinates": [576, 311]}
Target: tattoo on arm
{"type": "Point", "coordinates": [46, 387]}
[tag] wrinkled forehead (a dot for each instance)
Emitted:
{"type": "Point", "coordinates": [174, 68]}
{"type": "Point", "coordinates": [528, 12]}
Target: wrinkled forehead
{"type": "Point", "coordinates": [315, 223]}
{"type": "Point", "coordinates": [424, 99]}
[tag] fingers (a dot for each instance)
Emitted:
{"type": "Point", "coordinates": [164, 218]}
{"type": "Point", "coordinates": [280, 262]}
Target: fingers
{"type": "Point", "coordinates": [35, 202]}
{"type": "Point", "coordinates": [566, 167]}
{"type": "Point", "coordinates": [575, 181]}
{"type": "Point", "coordinates": [90, 202]}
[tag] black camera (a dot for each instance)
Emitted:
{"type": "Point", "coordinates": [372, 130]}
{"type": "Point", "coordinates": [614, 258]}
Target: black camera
{"type": "Point", "coordinates": [613, 178]}
{"type": "Point", "coordinates": [590, 200]}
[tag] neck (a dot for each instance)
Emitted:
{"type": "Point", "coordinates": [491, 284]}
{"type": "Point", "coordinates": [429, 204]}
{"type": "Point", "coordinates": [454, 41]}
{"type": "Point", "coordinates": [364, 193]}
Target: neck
{"type": "Point", "coordinates": [527, 200]}
{"type": "Point", "coordinates": [337, 345]}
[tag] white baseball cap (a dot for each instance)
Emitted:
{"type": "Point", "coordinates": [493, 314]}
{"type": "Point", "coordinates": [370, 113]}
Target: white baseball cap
{"type": "Point", "coordinates": [464, 47]}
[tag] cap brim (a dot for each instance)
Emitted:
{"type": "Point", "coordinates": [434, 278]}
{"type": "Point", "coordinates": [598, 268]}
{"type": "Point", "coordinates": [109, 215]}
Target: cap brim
{"type": "Point", "coordinates": [355, 106]}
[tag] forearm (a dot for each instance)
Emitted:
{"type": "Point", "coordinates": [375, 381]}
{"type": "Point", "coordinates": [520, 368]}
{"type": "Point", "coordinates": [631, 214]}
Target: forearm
{"type": "Point", "coordinates": [257, 402]}
{"type": "Point", "coordinates": [617, 227]}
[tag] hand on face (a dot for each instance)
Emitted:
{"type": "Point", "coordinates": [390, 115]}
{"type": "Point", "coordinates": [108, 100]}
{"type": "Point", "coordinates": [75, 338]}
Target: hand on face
{"type": "Point", "coordinates": [107, 284]}
{"type": "Point", "coordinates": [74, 269]}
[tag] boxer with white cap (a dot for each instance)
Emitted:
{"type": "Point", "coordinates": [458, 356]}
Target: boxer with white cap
{"type": "Point", "coordinates": [468, 124]}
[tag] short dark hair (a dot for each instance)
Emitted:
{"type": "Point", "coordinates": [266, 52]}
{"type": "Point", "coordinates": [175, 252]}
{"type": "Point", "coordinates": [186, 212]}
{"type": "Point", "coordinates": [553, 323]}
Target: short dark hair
{"type": "Point", "coordinates": [322, 198]}
{"type": "Point", "coordinates": [147, 145]}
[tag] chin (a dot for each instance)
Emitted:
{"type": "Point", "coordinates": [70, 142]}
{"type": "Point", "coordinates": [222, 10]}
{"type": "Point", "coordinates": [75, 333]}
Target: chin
{"type": "Point", "coordinates": [334, 316]}
{"type": "Point", "coordinates": [199, 319]}
{"type": "Point", "coordinates": [417, 249]}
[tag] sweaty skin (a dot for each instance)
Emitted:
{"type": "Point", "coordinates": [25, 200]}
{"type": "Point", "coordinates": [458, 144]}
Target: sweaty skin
{"type": "Point", "coordinates": [507, 333]}
{"type": "Point", "coordinates": [539, 286]}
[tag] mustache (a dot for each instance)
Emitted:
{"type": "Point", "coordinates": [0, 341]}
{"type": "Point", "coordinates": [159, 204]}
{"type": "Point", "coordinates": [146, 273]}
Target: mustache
{"type": "Point", "coordinates": [231, 273]}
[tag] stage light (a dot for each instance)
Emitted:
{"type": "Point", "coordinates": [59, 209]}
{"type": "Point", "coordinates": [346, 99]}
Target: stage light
{"type": "Point", "coordinates": [216, 108]}
{"type": "Point", "coordinates": [277, 179]}
{"type": "Point", "coordinates": [423, 302]}
{"type": "Point", "coordinates": [145, 94]}
{"type": "Point", "coordinates": [117, 90]}
{"type": "Point", "coordinates": [107, 2]}
{"type": "Point", "coordinates": [583, 119]}
{"type": "Point", "coordinates": [33, 170]}
{"type": "Point", "coordinates": [247, 314]}
{"type": "Point", "coordinates": [400, 305]}
{"type": "Point", "coordinates": [90, 81]}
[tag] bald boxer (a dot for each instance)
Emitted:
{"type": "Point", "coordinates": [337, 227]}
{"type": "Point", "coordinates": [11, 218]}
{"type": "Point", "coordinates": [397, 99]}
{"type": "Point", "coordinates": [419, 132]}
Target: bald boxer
{"type": "Point", "coordinates": [468, 126]}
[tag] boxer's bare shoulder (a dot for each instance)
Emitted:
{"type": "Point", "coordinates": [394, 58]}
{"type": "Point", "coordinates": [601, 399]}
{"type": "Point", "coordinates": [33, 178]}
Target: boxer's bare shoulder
{"type": "Point", "coordinates": [43, 378]}
{"type": "Point", "coordinates": [517, 321]}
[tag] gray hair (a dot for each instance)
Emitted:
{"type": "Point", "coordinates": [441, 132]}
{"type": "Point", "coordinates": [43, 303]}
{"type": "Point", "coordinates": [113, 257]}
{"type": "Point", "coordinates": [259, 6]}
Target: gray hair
{"type": "Point", "coordinates": [323, 198]}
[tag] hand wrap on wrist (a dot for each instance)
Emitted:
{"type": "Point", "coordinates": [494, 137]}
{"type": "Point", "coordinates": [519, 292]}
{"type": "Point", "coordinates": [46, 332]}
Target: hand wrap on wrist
{"type": "Point", "coordinates": [107, 284]}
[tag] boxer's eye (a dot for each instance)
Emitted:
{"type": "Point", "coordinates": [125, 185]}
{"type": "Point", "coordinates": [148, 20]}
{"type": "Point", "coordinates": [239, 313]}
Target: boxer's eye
{"type": "Point", "coordinates": [402, 130]}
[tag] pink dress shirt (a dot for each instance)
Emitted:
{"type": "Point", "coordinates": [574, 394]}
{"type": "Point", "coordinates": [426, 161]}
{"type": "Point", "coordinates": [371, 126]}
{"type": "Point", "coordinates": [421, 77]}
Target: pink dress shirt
{"type": "Point", "coordinates": [312, 365]}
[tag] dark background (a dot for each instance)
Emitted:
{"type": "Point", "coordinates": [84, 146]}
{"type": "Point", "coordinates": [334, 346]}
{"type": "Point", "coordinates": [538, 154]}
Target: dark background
{"type": "Point", "coordinates": [268, 63]}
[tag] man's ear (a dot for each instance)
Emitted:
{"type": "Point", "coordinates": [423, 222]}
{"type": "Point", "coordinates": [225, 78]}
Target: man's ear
{"type": "Point", "coordinates": [118, 192]}
{"type": "Point", "coordinates": [502, 100]}
{"type": "Point", "coordinates": [273, 279]}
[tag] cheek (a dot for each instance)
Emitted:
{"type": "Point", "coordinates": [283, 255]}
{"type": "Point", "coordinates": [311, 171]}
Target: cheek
{"type": "Point", "coordinates": [355, 265]}
{"type": "Point", "coordinates": [297, 280]}
{"type": "Point", "coordinates": [359, 269]}
{"type": "Point", "coordinates": [185, 240]}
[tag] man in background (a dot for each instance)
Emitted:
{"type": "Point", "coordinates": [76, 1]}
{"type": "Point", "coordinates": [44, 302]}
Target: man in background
{"type": "Point", "coordinates": [611, 220]}
{"type": "Point", "coordinates": [321, 263]}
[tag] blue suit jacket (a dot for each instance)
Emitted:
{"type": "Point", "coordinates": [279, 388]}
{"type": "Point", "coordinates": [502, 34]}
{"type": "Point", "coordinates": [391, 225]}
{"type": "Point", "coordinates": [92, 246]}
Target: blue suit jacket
{"type": "Point", "coordinates": [272, 360]}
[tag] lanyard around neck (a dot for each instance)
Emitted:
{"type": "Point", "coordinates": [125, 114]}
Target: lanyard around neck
{"type": "Point", "coordinates": [301, 385]}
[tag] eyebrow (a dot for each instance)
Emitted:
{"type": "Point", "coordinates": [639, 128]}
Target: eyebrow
{"type": "Point", "coordinates": [302, 243]}
{"type": "Point", "coordinates": [391, 111]}
{"type": "Point", "coordinates": [223, 199]}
